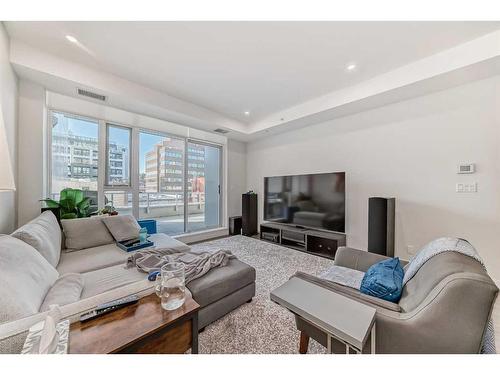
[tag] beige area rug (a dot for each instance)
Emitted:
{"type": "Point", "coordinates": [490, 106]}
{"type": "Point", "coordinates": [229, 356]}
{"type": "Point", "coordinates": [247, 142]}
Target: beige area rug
{"type": "Point", "coordinates": [260, 326]}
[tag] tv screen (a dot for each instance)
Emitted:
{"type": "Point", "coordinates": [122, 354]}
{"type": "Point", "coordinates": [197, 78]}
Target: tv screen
{"type": "Point", "coordinates": [310, 200]}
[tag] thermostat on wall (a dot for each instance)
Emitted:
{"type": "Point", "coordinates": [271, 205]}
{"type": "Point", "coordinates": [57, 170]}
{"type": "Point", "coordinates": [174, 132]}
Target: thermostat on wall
{"type": "Point", "coordinates": [466, 168]}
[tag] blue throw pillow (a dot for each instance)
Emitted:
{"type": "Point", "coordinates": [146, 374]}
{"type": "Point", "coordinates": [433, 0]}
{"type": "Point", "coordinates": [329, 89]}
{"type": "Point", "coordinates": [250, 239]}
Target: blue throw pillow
{"type": "Point", "coordinates": [384, 280]}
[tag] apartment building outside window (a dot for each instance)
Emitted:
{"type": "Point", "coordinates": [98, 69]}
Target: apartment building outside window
{"type": "Point", "coordinates": [168, 187]}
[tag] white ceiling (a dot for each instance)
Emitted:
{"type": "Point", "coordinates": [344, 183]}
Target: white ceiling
{"type": "Point", "coordinates": [233, 67]}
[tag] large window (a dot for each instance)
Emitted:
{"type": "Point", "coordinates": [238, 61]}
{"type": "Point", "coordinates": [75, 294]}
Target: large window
{"type": "Point", "coordinates": [118, 156]}
{"type": "Point", "coordinates": [74, 158]}
{"type": "Point", "coordinates": [203, 186]}
{"type": "Point", "coordinates": [161, 181]}
{"type": "Point", "coordinates": [150, 175]}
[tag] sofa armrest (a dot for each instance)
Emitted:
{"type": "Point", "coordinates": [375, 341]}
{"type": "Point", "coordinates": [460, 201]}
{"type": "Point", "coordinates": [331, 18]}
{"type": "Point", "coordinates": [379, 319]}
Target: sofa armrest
{"type": "Point", "coordinates": [350, 292]}
{"type": "Point", "coordinates": [356, 259]}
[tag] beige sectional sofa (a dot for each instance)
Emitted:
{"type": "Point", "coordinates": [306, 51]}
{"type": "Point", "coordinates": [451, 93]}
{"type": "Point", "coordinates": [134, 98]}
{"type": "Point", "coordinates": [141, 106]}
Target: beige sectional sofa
{"type": "Point", "coordinates": [38, 270]}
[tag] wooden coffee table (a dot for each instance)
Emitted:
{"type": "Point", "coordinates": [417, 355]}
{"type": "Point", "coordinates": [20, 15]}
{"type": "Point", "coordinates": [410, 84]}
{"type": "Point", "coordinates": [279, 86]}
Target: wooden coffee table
{"type": "Point", "coordinates": [144, 327]}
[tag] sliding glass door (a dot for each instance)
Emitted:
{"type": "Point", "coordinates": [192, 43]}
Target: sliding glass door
{"type": "Point", "coordinates": [161, 181]}
{"type": "Point", "coordinates": [203, 186]}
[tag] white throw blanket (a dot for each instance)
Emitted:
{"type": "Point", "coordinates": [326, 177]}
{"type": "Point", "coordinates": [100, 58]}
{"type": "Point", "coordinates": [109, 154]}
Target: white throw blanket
{"type": "Point", "coordinates": [343, 276]}
{"type": "Point", "coordinates": [353, 278]}
{"type": "Point", "coordinates": [439, 246]}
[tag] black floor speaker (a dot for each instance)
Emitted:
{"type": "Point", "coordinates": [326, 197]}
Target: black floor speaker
{"type": "Point", "coordinates": [249, 214]}
{"type": "Point", "coordinates": [381, 223]}
{"type": "Point", "coordinates": [234, 225]}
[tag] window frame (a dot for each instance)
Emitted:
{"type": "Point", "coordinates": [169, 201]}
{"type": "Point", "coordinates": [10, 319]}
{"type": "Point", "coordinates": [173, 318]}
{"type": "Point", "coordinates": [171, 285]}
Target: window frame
{"type": "Point", "coordinates": [133, 187]}
{"type": "Point", "coordinates": [124, 187]}
{"type": "Point", "coordinates": [49, 133]}
{"type": "Point", "coordinates": [186, 175]}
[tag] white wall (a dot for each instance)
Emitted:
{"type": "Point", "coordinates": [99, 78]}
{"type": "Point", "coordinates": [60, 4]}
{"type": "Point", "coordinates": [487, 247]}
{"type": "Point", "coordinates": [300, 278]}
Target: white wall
{"type": "Point", "coordinates": [408, 150]}
{"type": "Point", "coordinates": [237, 170]}
{"type": "Point", "coordinates": [32, 155]}
{"type": "Point", "coordinates": [8, 106]}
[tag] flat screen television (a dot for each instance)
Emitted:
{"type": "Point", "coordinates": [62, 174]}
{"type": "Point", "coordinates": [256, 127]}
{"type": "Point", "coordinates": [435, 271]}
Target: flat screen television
{"type": "Point", "coordinates": [308, 200]}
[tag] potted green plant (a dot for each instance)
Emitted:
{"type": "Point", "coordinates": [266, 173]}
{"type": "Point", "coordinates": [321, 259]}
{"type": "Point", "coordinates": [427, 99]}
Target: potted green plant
{"type": "Point", "coordinates": [72, 204]}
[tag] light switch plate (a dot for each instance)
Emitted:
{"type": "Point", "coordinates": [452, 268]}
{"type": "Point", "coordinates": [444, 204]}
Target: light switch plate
{"type": "Point", "coordinates": [466, 187]}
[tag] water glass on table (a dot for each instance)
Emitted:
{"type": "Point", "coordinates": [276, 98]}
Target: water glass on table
{"type": "Point", "coordinates": [171, 286]}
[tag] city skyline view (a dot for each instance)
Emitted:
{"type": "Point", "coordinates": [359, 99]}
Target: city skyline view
{"type": "Point", "coordinates": [75, 169]}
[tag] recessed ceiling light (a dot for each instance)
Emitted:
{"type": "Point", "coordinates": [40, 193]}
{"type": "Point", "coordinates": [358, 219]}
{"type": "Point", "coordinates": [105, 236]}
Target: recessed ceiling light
{"type": "Point", "coordinates": [351, 67]}
{"type": "Point", "coordinates": [247, 113]}
{"type": "Point", "coordinates": [72, 39]}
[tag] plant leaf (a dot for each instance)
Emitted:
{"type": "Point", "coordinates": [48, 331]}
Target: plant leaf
{"type": "Point", "coordinates": [85, 203]}
{"type": "Point", "coordinates": [79, 197]}
{"type": "Point", "coordinates": [76, 195]}
{"type": "Point", "coordinates": [69, 215]}
{"type": "Point", "coordinates": [68, 207]}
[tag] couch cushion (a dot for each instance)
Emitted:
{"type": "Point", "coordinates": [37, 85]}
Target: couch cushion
{"type": "Point", "coordinates": [97, 257]}
{"type": "Point", "coordinates": [44, 234]}
{"type": "Point", "coordinates": [92, 259]}
{"type": "Point", "coordinates": [86, 232]}
{"type": "Point", "coordinates": [100, 281]}
{"type": "Point", "coordinates": [222, 281]}
{"type": "Point", "coordinates": [25, 279]}
{"type": "Point", "coordinates": [67, 289]}
{"type": "Point", "coordinates": [122, 227]}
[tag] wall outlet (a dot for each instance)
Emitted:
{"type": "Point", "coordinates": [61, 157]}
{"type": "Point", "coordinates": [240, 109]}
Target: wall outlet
{"type": "Point", "coordinates": [410, 249]}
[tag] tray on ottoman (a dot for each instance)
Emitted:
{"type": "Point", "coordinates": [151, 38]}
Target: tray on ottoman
{"type": "Point", "coordinates": [135, 246]}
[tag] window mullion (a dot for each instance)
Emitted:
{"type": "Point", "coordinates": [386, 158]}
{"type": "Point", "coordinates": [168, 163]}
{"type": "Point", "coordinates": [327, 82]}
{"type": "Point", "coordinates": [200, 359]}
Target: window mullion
{"type": "Point", "coordinates": [102, 163]}
{"type": "Point", "coordinates": [134, 172]}
{"type": "Point", "coordinates": [186, 206]}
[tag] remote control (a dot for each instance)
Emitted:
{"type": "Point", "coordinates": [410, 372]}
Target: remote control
{"type": "Point", "coordinates": [109, 307]}
{"type": "Point", "coordinates": [131, 242]}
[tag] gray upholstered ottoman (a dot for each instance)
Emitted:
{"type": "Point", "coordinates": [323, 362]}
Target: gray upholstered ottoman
{"type": "Point", "coordinates": [222, 290]}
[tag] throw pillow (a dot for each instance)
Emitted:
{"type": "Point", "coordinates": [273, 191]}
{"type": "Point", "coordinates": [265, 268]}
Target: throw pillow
{"type": "Point", "coordinates": [384, 280]}
{"type": "Point", "coordinates": [44, 234]}
{"type": "Point", "coordinates": [67, 289]}
{"type": "Point", "coordinates": [122, 227]}
{"type": "Point", "coordinates": [85, 232]}
{"type": "Point", "coordinates": [25, 278]}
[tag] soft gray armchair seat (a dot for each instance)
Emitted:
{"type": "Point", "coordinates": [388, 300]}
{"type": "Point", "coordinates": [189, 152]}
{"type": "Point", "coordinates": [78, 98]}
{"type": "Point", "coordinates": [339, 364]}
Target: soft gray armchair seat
{"type": "Point", "coordinates": [444, 308]}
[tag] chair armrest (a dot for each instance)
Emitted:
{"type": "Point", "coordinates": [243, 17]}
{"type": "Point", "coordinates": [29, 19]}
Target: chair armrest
{"type": "Point", "coordinates": [350, 292]}
{"type": "Point", "coordinates": [356, 259]}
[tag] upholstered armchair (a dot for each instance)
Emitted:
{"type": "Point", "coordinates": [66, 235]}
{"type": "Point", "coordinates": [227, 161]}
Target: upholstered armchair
{"type": "Point", "coordinates": [444, 308]}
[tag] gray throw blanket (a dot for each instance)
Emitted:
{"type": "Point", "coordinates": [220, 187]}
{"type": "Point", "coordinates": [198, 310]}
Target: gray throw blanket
{"type": "Point", "coordinates": [196, 264]}
{"type": "Point", "coordinates": [352, 278]}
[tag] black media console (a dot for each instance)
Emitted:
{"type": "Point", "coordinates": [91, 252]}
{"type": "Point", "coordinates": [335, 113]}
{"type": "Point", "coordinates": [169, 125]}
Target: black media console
{"type": "Point", "coordinates": [311, 241]}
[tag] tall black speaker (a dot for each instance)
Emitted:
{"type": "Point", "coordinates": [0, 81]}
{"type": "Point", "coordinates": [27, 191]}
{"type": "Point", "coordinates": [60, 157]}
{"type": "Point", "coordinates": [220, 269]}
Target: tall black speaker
{"type": "Point", "coordinates": [381, 216]}
{"type": "Point", "coordinates": [249, 214]}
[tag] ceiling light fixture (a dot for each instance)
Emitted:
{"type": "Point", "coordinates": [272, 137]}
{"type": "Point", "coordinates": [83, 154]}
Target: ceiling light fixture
{"type": "Point", "coordinates": [71, 38]}
{"type": "Point", "coordinates": [247, 113]}
{"type": "Point", "coordinates": [351, 67]}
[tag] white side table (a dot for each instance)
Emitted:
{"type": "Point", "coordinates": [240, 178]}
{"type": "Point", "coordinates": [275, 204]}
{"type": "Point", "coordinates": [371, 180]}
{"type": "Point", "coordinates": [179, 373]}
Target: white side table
{"type": "Point", "coordinates": [342, 318]}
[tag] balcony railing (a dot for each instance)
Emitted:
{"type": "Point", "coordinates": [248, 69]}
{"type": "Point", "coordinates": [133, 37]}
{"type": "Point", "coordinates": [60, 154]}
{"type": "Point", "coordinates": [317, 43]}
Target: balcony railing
{"type": "Point", "coordinates": [152, 204]}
